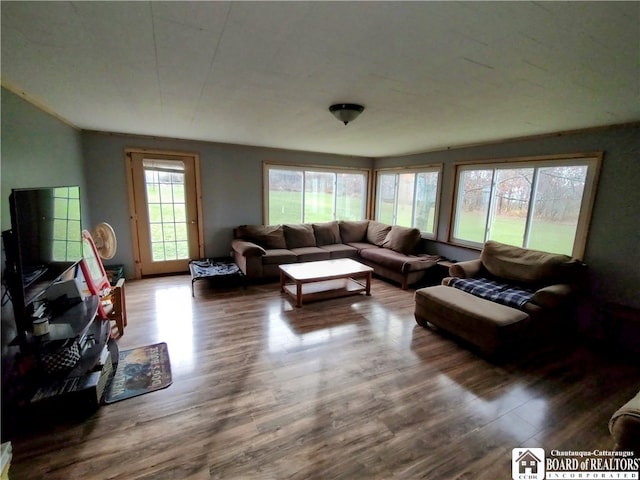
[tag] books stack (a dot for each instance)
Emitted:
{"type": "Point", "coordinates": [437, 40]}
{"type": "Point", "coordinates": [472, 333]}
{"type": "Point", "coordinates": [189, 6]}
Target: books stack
{"type": "Point", "coordinates": [6, 454]}
{"type": "Point", "coordinates": [104, 368]}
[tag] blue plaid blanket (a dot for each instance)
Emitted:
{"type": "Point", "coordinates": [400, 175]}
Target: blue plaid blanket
{"type": "Point", "coordinates": [495, 291]}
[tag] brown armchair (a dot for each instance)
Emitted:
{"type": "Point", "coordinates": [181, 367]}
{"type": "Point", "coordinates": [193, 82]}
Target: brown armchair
{"type": "Point", "coordinates": [555, 279]}
{"type": "Point", "coordinates": [507, 295]}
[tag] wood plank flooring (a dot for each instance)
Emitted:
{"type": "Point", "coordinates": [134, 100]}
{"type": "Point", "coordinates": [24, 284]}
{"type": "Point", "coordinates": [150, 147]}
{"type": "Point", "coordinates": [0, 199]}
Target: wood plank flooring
{"type": "Point", "coordinates": [346, 388]}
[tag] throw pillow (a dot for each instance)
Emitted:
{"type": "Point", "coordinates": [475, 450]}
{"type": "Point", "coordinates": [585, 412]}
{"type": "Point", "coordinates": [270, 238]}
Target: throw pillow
{"type": "Point", "coordinates": [327, 233]}
{"type": "Point", "coordinates": [377, 232]}
{"type": "Point", "coordinates": [402, 239]}
{"type": "Point", "coordinates": [267, 236]}
{"type": "Point", "coordinates": [298, 236]}
{"type": "Point", "coordinates": [353, 231]}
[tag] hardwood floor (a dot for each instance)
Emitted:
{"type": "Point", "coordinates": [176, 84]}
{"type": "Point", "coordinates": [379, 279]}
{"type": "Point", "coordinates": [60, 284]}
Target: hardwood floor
{"type": "Point", "coordinates": [345, 388]}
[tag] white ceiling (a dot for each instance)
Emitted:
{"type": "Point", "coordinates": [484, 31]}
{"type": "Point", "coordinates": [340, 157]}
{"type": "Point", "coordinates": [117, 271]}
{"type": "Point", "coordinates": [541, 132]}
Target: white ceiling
{"type": "Point", "coordinates": [430, 74]}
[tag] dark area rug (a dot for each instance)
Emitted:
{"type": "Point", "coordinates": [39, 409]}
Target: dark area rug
{"type": "Point", "coordinates": [140, 370]}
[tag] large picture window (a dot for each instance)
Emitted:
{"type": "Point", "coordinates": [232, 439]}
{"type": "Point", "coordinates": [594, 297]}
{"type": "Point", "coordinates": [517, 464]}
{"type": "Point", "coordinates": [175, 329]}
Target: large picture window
{"type": "Point", "coordinates": [543, 204]}
{"type": "Point", "coordinates": [409, 198]}
{"type": "Point", "coordinates": [313, 194]}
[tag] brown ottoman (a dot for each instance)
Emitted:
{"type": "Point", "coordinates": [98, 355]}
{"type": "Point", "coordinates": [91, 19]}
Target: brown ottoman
{"type": "Point", "coordinates": [490, 326]}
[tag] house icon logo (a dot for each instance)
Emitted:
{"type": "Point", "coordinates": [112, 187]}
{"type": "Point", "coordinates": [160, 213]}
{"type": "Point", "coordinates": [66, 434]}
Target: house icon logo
{"type": "Point", "coordinates": [527, 463]}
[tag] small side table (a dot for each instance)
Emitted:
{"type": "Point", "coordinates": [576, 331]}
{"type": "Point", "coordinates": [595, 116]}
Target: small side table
{"type": "Point", "coordinates": [223, 269]}
{"type": "Point", "coordinates": [617, 319]}
{"type": "Point", "coordinates": [444, 266]}
{"type": "Point", "coordinates": [434, 275]}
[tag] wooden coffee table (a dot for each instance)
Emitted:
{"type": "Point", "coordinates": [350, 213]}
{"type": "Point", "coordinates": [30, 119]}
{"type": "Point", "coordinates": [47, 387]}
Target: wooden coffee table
{"type": "Point", "coordinates": [325, 279]}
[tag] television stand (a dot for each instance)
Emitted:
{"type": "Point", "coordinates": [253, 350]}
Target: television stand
{"type": "Point", "coordinates": [72, 322]}
{"type": "Point", "coordinates": [44, 395]}
{"type": "Point", "coordinates": [82, 387]}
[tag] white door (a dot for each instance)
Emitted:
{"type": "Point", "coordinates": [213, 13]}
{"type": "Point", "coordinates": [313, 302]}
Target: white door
{"type": "Point", "coordinates": [165, 201]}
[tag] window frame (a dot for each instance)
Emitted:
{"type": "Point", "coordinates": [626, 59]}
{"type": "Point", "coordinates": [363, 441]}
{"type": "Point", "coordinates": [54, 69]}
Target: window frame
{"type": "Point", "coordinates": [303, 168]}
{"type": "Point", "coordinates": [429, 168]}
{"type": "Point", "coordinates": [593, 162]}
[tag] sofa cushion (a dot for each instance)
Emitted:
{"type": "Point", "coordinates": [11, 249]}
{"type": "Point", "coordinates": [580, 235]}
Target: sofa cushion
{"type": "Point", "coordinates": [267, 236]}
{"type": "Point", "coordinates": [300, 235]}
{"type": "Point", "coordinates": [397, 261]}
{"type": "Point", "coordinates": [277, 256]}
{"type": "Point", "coordinates": [420, 262]}
{"type": "Point", "coordinates": [377, 232]}
{"type": "Point", "coordinates": [340, 250]}
{"type": "Point", "coordinates": [359, 246]}
{"type": "Point", "coordinates": [353, 231]}
{"type": "Point", "coordinates": [327, 233]}
{"type": "Point", "coordinates": [524, 265]}
{"type": "Point", "coordinates": [402, 239]}
{"type": "Point", "coordinates": [385, 257]}
{"type": "Point", "coordinates": [310, 254]}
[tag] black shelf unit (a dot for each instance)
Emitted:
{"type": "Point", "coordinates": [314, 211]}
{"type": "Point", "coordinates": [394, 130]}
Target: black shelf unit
{"type": "Point", "coordinates": [45, 398]}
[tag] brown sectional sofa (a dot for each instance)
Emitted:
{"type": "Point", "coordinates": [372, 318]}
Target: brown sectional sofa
{"type": "Point", "coordinates": [390, 250]}
{"type": "Point", "coordinates": [492, 322]}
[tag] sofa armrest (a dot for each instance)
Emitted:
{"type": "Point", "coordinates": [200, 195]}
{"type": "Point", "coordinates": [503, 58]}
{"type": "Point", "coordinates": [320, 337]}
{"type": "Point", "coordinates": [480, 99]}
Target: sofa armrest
{"type": "Point", "coordinates": [246, 248]}
{"type": "Point", "coordinates": [553, 296]}
{"type": "Point", "coordinates": [467, 269]}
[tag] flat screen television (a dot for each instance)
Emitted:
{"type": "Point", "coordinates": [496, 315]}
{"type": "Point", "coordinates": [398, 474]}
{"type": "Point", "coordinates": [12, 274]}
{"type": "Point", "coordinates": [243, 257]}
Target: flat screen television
{"type": "Point", "coordinates": [43, 246]}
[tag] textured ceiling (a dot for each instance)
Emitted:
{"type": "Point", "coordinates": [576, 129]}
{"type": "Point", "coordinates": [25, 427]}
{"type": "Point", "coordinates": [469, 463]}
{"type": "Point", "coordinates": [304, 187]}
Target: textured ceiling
{"type": "Point", "coordinates": [430, 74]}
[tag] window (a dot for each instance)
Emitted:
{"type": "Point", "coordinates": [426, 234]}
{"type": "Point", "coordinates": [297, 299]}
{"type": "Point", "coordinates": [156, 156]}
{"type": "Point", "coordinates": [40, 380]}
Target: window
{"type": "Point", "coordinates": [300, 194]}
{"type": "Point", "coordinates": [67, 238]}
{"type": "Point", "coordinates": [409, 197]}
{"type": "Point", "coordinates": [543, 204]}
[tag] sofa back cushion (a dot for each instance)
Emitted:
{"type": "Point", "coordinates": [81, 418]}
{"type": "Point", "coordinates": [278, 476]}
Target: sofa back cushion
{"type": "Point", "coordinates": [402, 239]}
{"type": "Point", "coordinates": [377, 232]}
{"type": "Point", "coordinates": [300, 235]}
{"type": "Point", "coordinates": [327, 233]}
{"type": "Point", "coordinates": [353, 230]}
{"type": "Point", "coordinates": [526, 265]}
{"type": "Point", "coordinates": [267, 236]}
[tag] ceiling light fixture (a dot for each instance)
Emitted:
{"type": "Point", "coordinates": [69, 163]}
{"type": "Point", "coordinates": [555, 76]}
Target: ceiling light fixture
{"type": "Point", "coordinates": [346, 112]}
